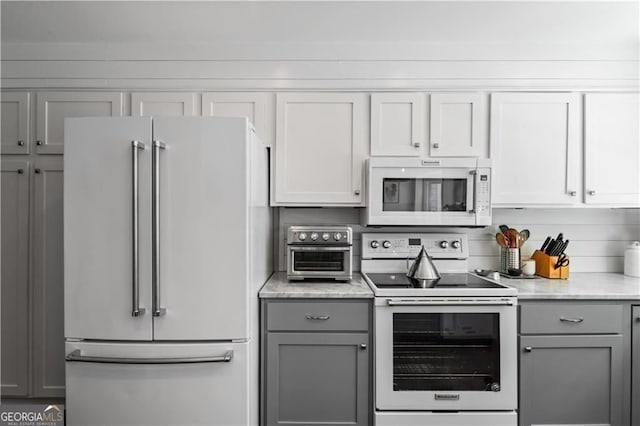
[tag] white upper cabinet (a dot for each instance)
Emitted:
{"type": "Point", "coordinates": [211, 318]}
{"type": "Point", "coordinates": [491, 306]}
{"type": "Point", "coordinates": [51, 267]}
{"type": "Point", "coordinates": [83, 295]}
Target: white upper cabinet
{"type": "Point", "coordinates": [14, 113]}
{"type": "Point", "coordinates": [252, 105]}
{"type": "Point", "coordinates": [612, 149]}
{"type": "Point", "coordinates": [536, 148]}
{"type": "Point", "coordinates": [397, 124]}
{"type": "Point", "coordinates": [321, 145]}
{"type": "Point", "coordinates": [458, 125]}
{"type": "Point", "coordinates": [163, 104]}
{"type": "Point", "coordinates": [54, 107]}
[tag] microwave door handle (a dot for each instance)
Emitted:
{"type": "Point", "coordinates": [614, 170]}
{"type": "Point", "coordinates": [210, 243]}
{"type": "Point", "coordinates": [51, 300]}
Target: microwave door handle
{"type": "Point", "coordinates": [474, 176]}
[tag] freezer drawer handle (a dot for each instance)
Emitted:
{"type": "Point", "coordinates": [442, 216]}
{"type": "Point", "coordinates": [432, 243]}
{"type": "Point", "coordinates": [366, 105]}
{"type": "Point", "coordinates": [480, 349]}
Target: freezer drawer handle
{"type": "Point", "coordinates": [136, 310]}
{"type": "Point", "coordinates": [78, 357]}
{"type": "Point", "coordinates": [155, 237]}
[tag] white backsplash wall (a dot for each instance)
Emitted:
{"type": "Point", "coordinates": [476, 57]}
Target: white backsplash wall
{"type": "Point", "coordinates": [598, 236]}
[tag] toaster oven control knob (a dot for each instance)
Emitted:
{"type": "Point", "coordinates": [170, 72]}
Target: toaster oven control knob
{"type": "Point", "coordinates": [325, 236]}
{"type": "Point", "coordinates": [314, 236]}
{"type": "Point", "coordinates": [444, 244]}
{"type": "Point", "coordinates": [337, 236]}
{"type": "Point", "coordinates": [302, 236]}
{"type": "Point", "coordinates": [375, 244]}
{"type": "Point", "coordinates": [386, 244]}
{"type": "Point", "coordinates": [455, 244]}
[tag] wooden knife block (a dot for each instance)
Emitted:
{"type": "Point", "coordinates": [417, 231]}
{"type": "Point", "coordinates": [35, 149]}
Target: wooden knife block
{"type": "Point", "coordinates": [545, 266]}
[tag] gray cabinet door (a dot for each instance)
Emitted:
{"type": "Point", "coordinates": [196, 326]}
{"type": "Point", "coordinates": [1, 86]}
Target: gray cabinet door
{"type": "Point", "coordinates": [48, 289]}
{"type": "Point", "coordinates": [635, 367]}
{"type": "Point", "coordinates": [317, 379]}
{"type": "Point", "coordinates": [571, 380]}
{"type": "Point", "coordinates": [15, 278]}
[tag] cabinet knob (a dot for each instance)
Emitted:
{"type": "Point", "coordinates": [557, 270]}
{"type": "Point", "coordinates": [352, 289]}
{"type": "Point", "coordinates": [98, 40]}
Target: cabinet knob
{"type": "Point", "coordinates": [416, 144]}
{"type": "Point", "coordinates": [572, 193]}
{"type": "Point", "coordinates": [363, 346]}
{"type": "Point", "coordinates": [357, 192]}
{"type": "Point", "coordinates": [20, 171]}
{"type": "Point", "coordinates": [39, 143]}
{"type": "Point", "coordinates": [528, 349]}
{"type": "Point", "coordinates": [436, 145]}
{"type": "Point", "coordinates": [37, 171]}
{"type": "Point", "coordinates": [591, 192]}
{"type": "Point", "coordinates": [20, 143]}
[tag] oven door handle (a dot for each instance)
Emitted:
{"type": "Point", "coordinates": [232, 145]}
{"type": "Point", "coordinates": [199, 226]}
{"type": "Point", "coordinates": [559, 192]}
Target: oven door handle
{"type": "Point", "coordinates": [449, 302]}
{"type": "Point", "coordinates": [323, 248]}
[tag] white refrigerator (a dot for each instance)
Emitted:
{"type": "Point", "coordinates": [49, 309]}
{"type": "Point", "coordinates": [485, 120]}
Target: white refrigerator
{"type": "Point", "coordinates": [167, 239]}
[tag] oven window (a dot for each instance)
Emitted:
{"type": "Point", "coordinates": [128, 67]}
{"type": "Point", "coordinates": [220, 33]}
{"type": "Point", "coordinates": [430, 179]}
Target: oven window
{"type": "Point", "coordinates": [427, 195]}
{"type": "Point", "coordinates": [331, 261]}
{"type": "Point", "coordinates": [446, 351]}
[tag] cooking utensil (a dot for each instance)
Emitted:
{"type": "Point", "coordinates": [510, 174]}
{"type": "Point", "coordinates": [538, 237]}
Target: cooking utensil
{"type": "Point", "coordinates": [512, 238]}
{"type": "Point", "coordinates": [562, 261]}
{"type": "Point", "coordinates": [545, 244]}
{"type": "Point", "coordinates": [524, 236]}
{"type": "Point", "coordinates": [503, 228]}
{"type": "Point", "coordinates": [502, 240]}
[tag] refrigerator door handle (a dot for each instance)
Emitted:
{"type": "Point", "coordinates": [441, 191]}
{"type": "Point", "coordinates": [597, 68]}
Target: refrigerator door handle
{"type": "Point", "coordinates": [77, 356]}
{"type": "Point", "coordinates": [155, 238]}
{"type": "Point", "coordinates": [136, 310]}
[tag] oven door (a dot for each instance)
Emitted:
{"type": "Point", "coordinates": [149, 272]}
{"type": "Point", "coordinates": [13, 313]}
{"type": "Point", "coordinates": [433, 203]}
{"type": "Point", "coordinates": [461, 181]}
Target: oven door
{"type": "Point", "coordinates": [319, 262]}
{"type": "Point", "coordinates": [444, 354]}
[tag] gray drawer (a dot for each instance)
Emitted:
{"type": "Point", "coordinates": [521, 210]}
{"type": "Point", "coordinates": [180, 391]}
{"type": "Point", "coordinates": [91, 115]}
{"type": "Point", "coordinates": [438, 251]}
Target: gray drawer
{"type": "Point", "coordinates": [317, 316]}
{"type": "Point", "coordinates": [570, 318]}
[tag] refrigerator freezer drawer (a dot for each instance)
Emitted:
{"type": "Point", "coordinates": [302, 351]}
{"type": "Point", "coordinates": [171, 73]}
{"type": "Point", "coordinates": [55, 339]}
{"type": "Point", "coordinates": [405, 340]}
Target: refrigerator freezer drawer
{"type": "Point", "coordinates": [135, 384]}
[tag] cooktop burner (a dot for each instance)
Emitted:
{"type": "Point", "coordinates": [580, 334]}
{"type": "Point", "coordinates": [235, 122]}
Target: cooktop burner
{"type": "Point", "coordinates": [399, 280]}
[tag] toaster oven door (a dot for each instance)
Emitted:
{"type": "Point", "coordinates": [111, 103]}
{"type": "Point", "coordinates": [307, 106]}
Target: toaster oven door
{"type": "Point", "coordinates": [319, 262]}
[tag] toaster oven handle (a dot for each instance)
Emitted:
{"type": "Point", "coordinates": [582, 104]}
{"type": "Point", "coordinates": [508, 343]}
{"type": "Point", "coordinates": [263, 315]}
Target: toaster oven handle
{"type": "Point", "coordinates": [474, 174]}
{"type": "Point", "coordinates": [448, 302]}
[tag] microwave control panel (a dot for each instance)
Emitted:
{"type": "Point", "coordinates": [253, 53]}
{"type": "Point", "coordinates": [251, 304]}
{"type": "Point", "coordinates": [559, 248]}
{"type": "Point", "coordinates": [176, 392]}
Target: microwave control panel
{"type": "Point", "coordinates": [483, 193]}
{"type": "Point", "coordinates": [392, 245]}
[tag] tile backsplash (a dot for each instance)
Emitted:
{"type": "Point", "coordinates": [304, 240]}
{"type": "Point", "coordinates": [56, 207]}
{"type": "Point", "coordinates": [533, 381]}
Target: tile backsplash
{"type": "Point", "coordinates": [598, 236]}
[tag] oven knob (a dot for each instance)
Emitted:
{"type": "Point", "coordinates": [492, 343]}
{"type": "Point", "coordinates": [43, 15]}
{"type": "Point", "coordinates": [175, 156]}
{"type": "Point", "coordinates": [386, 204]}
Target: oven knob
{"type": "Point", "coordinates": [455, 244]}
{"type": "Point", "coordinates": [302, 236]}
{"type": "Point", "coordinates": [314, 236]}
{"type": "Point", "coordinates": [337, 236]}
{"type": "Point", "coordinates": [444, 244]}
{"type": "Point", "coordinates": [375, 244]}
{"type": "Point", "coordinates": [386, 244]}
{"type": "Point", "coordinates": [325, 236]}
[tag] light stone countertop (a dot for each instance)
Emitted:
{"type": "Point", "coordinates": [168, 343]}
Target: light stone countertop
{"type": "Point", "coordinates": [580, 285]}
{"type": "Point", "coordinates": [279, 287]}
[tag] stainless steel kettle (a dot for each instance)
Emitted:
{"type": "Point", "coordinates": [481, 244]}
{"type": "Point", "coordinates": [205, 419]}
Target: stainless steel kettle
{"type": "Point", "coordinates": [423, 271]}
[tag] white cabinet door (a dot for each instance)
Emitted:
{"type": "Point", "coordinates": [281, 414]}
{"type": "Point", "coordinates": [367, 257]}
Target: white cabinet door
{"type": "Point", "coordinates": [163, 104]}
{"type": "Point", "coordinates": [99, 230]}
{"type": "Point", "coordinates": [54, 107]}
{"type": "Point", "coordinates": [320, 149]}
{"type": "Point", "coordinates": [239, 104]}
{"type": "Point", "coordinates": [14, 113]}
{"type": "Point", "coordinates": [535, 148]}
{"type": "Point", "coordinates": [612, 149]}
{"type": "Point", "coordinates": [397, 124]}
{"type": "Point", "coordinates": [15, 278]}
{"type": "Point", "coordinates": [458, 125]}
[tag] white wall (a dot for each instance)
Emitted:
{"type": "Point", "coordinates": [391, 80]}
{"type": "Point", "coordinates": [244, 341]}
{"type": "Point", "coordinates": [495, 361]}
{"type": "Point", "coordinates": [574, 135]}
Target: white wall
{"type": "Point", "coordinates": [284, 45]}
{"type": "Point", "coordinates": [598, 236]}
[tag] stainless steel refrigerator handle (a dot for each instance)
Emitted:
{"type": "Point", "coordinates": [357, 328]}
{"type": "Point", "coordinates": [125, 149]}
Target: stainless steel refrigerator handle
{"type": "Point", "coordinates": [155, 237]}
{"type": "Point", "coordinates": [136, 310]}
{"type": "Point", "coordinates": [448, 302]}
{"type": "Point", "coordinates": [78, 357]}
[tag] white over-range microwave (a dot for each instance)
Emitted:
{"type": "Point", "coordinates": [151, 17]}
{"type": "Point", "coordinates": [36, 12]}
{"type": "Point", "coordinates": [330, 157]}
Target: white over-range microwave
{"type": "Point", "coordinates": [413, 191]}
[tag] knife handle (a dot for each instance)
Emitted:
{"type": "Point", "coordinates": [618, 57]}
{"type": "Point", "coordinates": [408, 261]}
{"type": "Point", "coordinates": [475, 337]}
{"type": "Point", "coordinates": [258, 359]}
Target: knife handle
{"type": "Point", "coordinates": [544, 245]}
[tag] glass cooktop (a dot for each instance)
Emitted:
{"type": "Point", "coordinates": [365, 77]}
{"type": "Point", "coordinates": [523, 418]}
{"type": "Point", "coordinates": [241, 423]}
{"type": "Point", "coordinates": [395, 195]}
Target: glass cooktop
{"type": "Point", "coordinates": [460, 280]}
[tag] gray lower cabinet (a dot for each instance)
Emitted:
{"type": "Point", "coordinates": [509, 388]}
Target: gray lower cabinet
{"type": "Point", "coordinates": [571, 369]}
{"type": "Point", "coordinates": [635, 366]}
{"type": "Point", "coordinates": [316, 358]}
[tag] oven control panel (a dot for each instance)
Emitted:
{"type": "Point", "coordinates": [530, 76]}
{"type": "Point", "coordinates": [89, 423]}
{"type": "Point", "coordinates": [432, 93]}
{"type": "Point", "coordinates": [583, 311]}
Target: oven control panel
{"type": "Point", "coordinates": [395, 245]}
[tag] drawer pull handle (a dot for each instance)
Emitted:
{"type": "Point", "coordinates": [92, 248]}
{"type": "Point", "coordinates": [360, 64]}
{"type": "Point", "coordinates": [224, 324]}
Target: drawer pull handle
{"type": "Point", "coordinates": [317, 317]}
{"type": "Point", "coordinates": [574, 320]}
{"type": "Point", "coordinates": [528, 349]}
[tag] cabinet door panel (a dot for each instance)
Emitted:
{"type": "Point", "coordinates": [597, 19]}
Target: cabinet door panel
{"type": "Point", "coordinates": [163, 104]}
{"type": "Point", "coordinates": [612, 151]}
{"type": "Point", "coordinates": [458, 125]}
{"type": "Point", "coordinates": [535, 148]}
{"type": "Point", "coordinates": [320, 149]}
{"type": "Point", "coordinates": [317, 379]}
{"type": "Point", "coordinates": [15, 280]}
{"type": "Point", "coordinates": [14, 123]}
{"type": "Point", "coordinates": [397, 124]}
{"type": "Point", "coordinates": [54, 107]}
{"type": "Point", "coordinates": [635, 366]}
{"type": "Point", "coordinates": [571, 380]}
{"type": "Point", "coordinates": [239, 104]}
{"type": "Point", "coordinates": [48, 279]}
